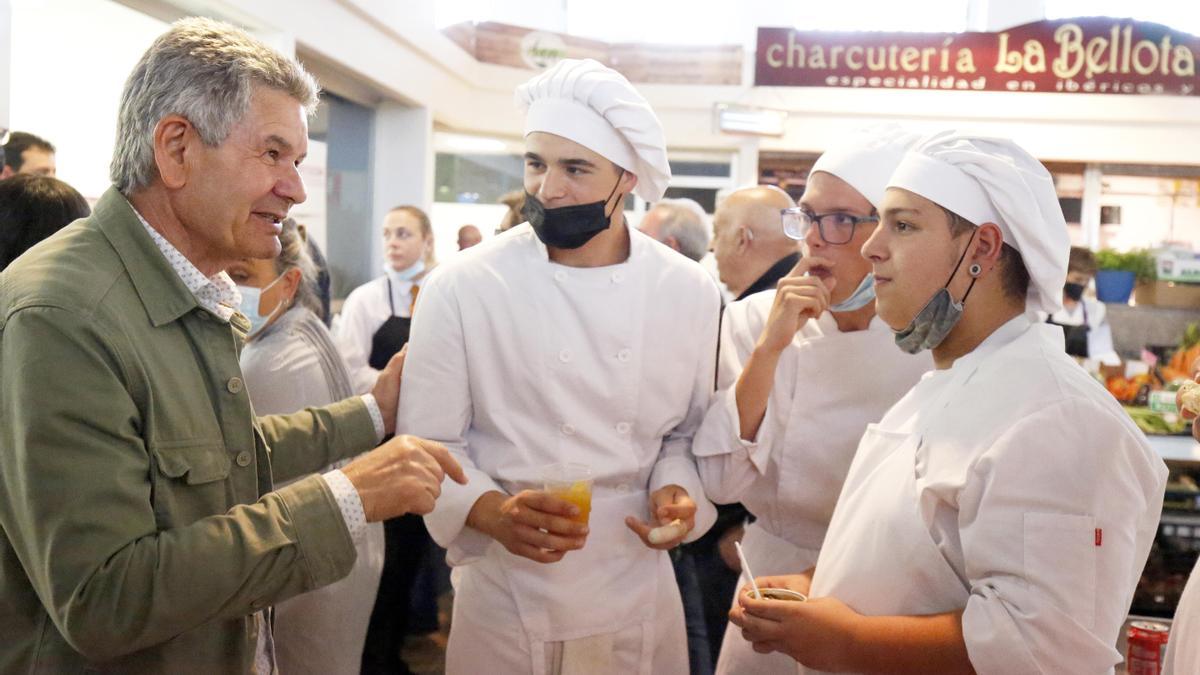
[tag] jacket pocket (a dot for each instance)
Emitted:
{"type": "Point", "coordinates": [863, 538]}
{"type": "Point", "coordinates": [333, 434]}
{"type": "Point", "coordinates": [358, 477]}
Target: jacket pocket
{"type": "Point", "coordinates": [190, 482]}
{"type": "Point", "coordinates": [1060, 557]}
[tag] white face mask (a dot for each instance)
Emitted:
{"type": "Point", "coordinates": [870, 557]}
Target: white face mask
{"type": "Point", "coordinates": [408, 273]}
{"type": "Point", "coordinates": [251, 299]}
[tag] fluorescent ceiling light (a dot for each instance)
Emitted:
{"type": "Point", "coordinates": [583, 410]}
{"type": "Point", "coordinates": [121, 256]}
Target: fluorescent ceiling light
{"type": "Point", "coordinates": [738, 119]}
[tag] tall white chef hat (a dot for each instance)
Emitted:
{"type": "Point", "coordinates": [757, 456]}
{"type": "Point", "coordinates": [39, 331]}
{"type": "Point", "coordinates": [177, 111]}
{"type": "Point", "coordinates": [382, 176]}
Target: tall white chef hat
{"type": "Point", "coordinates": [993, 180]}
{"type": "Point", "coordinates": [867, 158]}
{"type": "Point", "coordinates": [596, 107]}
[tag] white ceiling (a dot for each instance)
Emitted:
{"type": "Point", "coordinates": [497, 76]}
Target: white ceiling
{"type": "Point", "coordinates": [709, 22]}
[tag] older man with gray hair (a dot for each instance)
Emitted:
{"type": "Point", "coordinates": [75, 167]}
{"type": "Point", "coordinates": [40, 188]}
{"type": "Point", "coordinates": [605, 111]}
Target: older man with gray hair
{"type": "Point", "coordinates": [140, 530]}
{"type": "Point", "coordinates": [681, 224]}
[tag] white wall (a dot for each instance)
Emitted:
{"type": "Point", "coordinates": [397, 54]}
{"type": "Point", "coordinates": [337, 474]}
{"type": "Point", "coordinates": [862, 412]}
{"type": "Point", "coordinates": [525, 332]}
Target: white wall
{"type": "Point", "coordinates": [1154, 211]}
{"type": "Point", "coordinates": [70, 59]}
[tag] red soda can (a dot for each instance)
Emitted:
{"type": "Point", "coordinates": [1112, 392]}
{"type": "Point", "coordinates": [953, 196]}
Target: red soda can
{"type": "Point", "coordinates": [1147, 645]}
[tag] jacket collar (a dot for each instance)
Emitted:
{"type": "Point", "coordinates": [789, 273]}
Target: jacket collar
{"type": "Point", "coordinates": [772, 276]}
{"type": "Point", "coordinates": [160, 289]}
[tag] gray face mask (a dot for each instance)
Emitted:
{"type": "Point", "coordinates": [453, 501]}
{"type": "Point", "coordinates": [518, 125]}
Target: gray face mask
{"type": "Point", "coordinates": [938, 317]}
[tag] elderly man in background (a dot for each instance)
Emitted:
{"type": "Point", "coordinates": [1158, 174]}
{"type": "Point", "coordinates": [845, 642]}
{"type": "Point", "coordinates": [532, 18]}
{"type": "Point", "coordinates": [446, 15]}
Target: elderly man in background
{"type": "Point", "coordinates": [751, 249]}
{"type": "Point", "coordinates": [468, 236]}
{"type": "Point", "coordinates": [141, 530]}
{"type": "Point", "coordinates": [680, 224]}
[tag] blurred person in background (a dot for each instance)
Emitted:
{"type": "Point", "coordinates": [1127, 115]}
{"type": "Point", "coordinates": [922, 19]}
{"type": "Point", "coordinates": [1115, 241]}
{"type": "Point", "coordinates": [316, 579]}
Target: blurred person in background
{"type": "Point", "coordinates": [289, 364]}
{"type": "Point", "coordinates": [26, 153]}
{"type": "Point", "coordinates": [33, 207]}
{"type": "Point", "coordinates": [375, 319]}
{"type": "Point", "coordinates": [1084, 320]}
{"type": "Point", "coordinates": [680, 224]}
{"type": "Point", "coordinates": [515, 201]}
{"type": "Point", "coordinates": [468, 236]}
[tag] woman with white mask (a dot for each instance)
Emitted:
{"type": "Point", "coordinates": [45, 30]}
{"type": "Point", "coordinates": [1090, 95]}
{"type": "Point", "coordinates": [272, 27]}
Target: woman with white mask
{"type": "Point", "coordinates": [290, 363]}
{"type": "Point", "coordinates": [374, 322]}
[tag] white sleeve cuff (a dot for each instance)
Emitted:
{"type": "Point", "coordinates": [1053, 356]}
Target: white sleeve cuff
{"type": "Point", "coordinates": [721, 435]}
{"type": "Point", "coordinates": [376, 416]}
{"type": "Point", "coordinates": [348, 501]}
{"type": "Point", "coordinates": [682, 471]}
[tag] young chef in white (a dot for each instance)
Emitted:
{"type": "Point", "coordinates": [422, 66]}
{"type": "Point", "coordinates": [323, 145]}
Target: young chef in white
{"type": "Point", "coordinates": [570, 338]}
{"type": "Point", "coordinates": [794, 396]}
{"type": "Point", "coordinates": [998, 517]}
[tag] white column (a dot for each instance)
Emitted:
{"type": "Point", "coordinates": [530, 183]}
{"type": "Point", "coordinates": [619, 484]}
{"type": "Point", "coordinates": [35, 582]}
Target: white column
{"type": "Point", "coordinates": [403, 160]}
{"type": "Point", "coordinates": [998, 15]}
{"type": "Point", "coordinates": [1089, 210]}
{"type": "Point", "coordinates": [745, 168]}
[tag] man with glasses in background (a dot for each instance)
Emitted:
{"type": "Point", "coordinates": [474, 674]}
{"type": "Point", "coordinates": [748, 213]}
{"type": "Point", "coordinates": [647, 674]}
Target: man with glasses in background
{"type": "Point", "coordinates": [803, 370]}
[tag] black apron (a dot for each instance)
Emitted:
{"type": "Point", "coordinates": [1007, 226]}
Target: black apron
{"type": "Point", "coordinates": [391, 336]}
{"type": "Point", "coordinates": [1076, 336]}
{"type": "Point", "coordinates": [408, 548]}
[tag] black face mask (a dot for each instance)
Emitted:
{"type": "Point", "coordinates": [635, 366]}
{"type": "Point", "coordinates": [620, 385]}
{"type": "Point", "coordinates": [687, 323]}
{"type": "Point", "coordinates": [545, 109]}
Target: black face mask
{"type": "Point", "coordinates": [1074, 291]}
{"type": "Point", "coordinates": [568, 226]}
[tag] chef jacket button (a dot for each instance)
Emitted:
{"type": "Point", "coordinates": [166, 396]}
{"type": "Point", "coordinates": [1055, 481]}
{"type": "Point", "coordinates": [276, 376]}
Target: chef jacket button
{"type": "Point", "coordinates": [624, 355]}
{"type": "Point", "coordinates": [560, 276]}
{"type": "Point", "coordinates": [243, 458]}
{"type": "Point", "coordinates": [568, 429]}
{"type": "Point", "coordinates": [623, 427]}
{"type": "Point", "coordinates": [622, 488]}
{"type": "Point", "coordinates": [234, 385]}
{"type": "Point", "coordinates": [617, 277]}
{"type": "Point", "coordinates": [565, 356]}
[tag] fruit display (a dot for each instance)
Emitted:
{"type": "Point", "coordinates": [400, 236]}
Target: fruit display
{"type": "Point", "coordinates": [1140, 393]}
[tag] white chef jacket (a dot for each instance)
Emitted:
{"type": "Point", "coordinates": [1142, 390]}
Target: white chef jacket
{"type": "Point", "coordinates": [1099, 337]}
{"type": "Point", "coordinates": [1183, 648]}
{"type": "Point", "coordinates": [1039, 496]}
{"type": "Point", "coordinates": [365, 310]}
{"type": "Point", "coordinates": [516, 362]}
{"type": "Point", "coordinates": [828, 386]}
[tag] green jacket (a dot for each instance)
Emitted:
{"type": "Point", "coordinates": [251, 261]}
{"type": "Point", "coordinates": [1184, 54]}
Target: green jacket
{"type": "Point", "coordinates": [140, 531]}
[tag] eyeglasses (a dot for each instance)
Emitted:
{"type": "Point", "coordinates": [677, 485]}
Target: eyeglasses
{"type": "Point", "coordinates": [834, 228]}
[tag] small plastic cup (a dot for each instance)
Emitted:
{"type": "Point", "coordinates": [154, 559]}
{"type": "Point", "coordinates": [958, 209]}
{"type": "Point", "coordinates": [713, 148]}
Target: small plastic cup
{"type": "Point", "coordinates": [571, 482]}
{"type": "Point", "coordinates": [780, 594]}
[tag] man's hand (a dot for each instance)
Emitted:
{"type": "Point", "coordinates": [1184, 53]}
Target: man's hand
{"type": "Point", "coordinates": [798, 298]}
{"type": "Point", "coordinates": [532, 524]}
{"type": "Point", "coordinates": [818, 633]}
{"type": "Point", "coordinates": [666, 504]}
{"type": "Point", "coordinates": [387, 390]}
{"type": "Point", "coordinates": [402, 476]}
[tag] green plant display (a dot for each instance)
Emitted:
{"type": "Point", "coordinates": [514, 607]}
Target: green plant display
{"type": "Point", "coordinates": [1140, 261]}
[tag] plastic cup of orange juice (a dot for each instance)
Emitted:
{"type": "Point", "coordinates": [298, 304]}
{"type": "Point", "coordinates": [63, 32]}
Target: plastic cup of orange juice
{"type": "Point", "coordinates": [571, 482]}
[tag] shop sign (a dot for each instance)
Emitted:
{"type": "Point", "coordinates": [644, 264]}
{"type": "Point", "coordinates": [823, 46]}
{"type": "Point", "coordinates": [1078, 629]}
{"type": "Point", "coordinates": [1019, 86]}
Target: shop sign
{"type": "Point", "coordinates": [1087, 55]}
{"type": "Point", "coordinates": [541, 50]}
